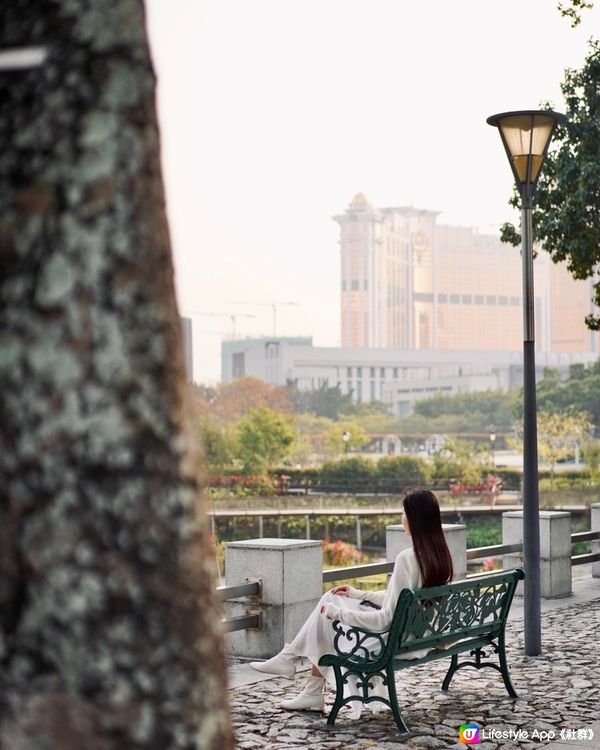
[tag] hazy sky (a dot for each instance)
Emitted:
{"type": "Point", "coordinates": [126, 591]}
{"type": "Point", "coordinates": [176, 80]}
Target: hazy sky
{"type": "Point", "coordinates": [274, 113]}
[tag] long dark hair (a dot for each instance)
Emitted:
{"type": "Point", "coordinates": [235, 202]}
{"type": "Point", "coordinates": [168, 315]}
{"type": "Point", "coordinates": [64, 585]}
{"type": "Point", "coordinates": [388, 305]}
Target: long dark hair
{"type": "Point", "coordinates": [431, 551]}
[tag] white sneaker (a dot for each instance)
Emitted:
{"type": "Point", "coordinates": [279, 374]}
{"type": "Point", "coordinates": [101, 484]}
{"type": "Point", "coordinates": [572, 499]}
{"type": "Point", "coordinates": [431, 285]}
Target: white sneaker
{"type": "Point", "coordinates": [310, 699]}
{"type": "Point", "coordinates": [283, 663]}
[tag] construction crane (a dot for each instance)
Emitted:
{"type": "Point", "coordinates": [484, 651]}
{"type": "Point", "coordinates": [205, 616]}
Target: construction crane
{"type": "Point", "coordinates": [272, 305]}
{"type": "Point", "coordinates": [232, 316]}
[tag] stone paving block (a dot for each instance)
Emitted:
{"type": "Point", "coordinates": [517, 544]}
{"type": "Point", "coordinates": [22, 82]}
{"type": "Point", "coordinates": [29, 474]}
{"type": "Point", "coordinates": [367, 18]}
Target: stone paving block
{"type": "Point", "coordinates": [559, 689]}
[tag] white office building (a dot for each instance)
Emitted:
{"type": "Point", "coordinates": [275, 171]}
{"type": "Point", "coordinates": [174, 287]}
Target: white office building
{"type": "Point", "coordinates": [399, 377]}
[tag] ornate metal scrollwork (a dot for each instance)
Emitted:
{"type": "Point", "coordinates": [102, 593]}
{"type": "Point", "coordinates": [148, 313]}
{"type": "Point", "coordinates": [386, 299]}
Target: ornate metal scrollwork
{"type": "Point", "coordinates": [357, 645]}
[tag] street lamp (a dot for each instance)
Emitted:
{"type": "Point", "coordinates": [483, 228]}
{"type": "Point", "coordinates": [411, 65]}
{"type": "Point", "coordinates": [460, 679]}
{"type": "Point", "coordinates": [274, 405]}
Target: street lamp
{"type": "Point", "coordinates": [346, 439]}
{"type": "Point", "coordinates": [492, 447]}
{"type": "Point", "coordinates": [526, 136]}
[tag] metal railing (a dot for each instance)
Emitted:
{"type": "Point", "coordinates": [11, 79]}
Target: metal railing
{"type": "Point", "coordinates": [249, 620]}
{"type": "Point", "coordinates": [253, 588]}
{"type": "Point", "coordinates": [589, 557]}
{"type": "Point", "coordinates": [250, 588]}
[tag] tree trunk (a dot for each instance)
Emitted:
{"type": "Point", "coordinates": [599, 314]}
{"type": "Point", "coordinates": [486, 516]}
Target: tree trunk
{"type": "Point", "coordinates": [108, 622]}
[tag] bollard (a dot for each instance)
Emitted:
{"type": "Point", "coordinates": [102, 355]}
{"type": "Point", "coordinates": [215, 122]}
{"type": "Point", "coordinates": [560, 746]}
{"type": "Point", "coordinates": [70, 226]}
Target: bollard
{"type": "Point", "coordinates": [397, 540]}
{"type": "Point", "coordinates": [291, 572]}
{"type": "Point", "coordinates": [596, 544]}
{"type": "Point", "coordinates": [555, 550]}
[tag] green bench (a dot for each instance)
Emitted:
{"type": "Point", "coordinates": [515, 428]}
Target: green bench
{"type": "Point", "coordinates": [466, 616]}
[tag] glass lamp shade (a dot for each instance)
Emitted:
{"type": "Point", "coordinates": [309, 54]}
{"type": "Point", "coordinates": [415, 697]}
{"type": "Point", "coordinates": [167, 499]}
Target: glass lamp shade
{"type": "Point", "coordinates": [526, 136]}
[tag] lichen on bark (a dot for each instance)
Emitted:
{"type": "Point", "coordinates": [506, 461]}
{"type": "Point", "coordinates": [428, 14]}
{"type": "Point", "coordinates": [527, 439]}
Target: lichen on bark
{"type": "Point", "coordinates": [108, 619]}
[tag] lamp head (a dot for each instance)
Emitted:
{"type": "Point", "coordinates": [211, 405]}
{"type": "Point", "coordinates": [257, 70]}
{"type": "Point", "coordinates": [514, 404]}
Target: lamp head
{"type": "Point", "coordinates": [526, 135]}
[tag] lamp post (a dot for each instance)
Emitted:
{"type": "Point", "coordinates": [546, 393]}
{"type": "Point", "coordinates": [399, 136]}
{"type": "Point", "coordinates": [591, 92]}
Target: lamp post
{"type": "Point", "coordinates": [346, 439]}
{"type": "Point", "coordinates": [526, 136]}
{"type": "Point", "coordinates": [493, 447]}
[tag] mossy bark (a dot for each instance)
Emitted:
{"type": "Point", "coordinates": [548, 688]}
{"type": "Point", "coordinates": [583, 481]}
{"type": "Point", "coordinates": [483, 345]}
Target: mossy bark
{"type": "Point", "coordinates": [108, 621]}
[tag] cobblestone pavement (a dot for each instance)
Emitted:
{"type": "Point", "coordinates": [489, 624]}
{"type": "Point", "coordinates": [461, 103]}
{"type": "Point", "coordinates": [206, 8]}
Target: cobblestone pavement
{"type": "Point", "coordinates": [557, 690]}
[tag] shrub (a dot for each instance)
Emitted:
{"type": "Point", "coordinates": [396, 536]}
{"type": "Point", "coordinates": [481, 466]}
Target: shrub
{"type": "Point", "coordinates": [348, 475]}
{"type": "Point", "coordinates": [339, 554]}
{"type": "Point", "coordinates": [397, 472]}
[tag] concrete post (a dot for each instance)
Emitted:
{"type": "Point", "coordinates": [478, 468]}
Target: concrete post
{"type": "Point", "coordinates": [396, 540]}
{"type": "Point", "coordinates": [291, 571]}
{"type": "Point", "coordinates": [596, 545]}
{"type": "Point", "coordinates": [555, 550]}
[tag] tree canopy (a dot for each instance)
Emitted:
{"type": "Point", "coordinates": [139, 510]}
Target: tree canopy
{"type": "Point", "coordinates": [228, 402]}
{"type": "Point", "coordinates": [566, 212]}
{"type": "Point", "coordinates": [580, 391]}
{"type": "Point", "coordinates": [264, 438]}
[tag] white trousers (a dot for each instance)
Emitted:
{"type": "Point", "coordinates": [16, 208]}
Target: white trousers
{"type": "Point", "coordinates": [315, 639]}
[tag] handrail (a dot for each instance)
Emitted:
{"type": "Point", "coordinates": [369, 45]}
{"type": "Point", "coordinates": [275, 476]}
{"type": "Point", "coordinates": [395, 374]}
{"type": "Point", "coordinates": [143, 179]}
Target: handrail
{"type": "Point", "coordinates": [243, 622]}
{"type": "Point", "coordinates": [493, 550]}
{"type": "Point", "coordinates": [583, 559]}
{"type": "Point", "coordinates": [585, 536]}
{"type": "Point", "coordinates": [252, 588]}
{"type": "Point", "coordinates": [357, 571]}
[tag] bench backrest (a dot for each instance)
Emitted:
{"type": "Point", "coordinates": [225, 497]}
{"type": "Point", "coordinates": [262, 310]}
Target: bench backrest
{"type": "Point", "coordinates": [441, 615]}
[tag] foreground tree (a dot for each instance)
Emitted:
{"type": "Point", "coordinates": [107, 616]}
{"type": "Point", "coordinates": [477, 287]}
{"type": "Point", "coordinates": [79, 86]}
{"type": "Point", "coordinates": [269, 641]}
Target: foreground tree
{"type": "Point", "coordinates": [108, 624]}
{"type": "Point", "coordinates": [566, 213]}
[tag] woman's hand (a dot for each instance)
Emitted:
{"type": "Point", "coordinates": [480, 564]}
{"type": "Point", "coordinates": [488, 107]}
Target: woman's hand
{"type": "Point", "coordinates": [341, 590]}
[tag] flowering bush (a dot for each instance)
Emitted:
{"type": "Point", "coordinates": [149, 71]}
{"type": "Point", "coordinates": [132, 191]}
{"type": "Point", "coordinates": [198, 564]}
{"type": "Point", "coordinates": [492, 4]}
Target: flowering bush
{"type": "Point", "coordinates": [340, 553]}
{"type": "Point", "coordinates": [490, 564]}
{"type": "Point", "coordinates": [492, 484]}
{"type": "Point", "coordinates": [244, 484]}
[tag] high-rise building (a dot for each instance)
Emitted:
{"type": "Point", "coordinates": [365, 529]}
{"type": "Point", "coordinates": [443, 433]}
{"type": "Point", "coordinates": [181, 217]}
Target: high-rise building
{"type": "Point", "coordinates": [410, 283]}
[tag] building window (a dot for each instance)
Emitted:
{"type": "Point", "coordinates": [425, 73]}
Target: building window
{"type": "Point", "coordinates": [372, 372]}
{"type": "Point", "coordinates": [349, 372]}
{"type": "Point", "coordinates": [349, 388]}
{"type": "Point", "coordinates": [238, 364]}
{"type": "Point", "coordinates": [359, 390]}
{"type": "Point", "coordinates": [395, 373]}
{"type": "Point", "coordinates": [382, 372]}
{"type": "Point", "coordinates": [373, 396]}
{"type": "Point", "coordinates": [359, 372]}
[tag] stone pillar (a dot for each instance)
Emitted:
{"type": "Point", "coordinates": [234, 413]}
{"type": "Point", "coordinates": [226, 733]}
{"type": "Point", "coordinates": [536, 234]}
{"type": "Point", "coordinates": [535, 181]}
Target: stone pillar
{"type": "Point", "coordinates": [291, 571]}
{"type": "Point", "coordinates": [596, 545]}
{"type": "Point", "coordinates": [396, 540]}
{"type": "Point", "coordinates": [555, 550]}
{"type": "Point", "coordinates": [358, 534]}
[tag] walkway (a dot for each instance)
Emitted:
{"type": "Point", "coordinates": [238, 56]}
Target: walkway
{"type": "Point", "coordinates": [559, 690]}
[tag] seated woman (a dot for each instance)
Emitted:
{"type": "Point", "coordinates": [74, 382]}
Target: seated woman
{"type": "Point", "coordinates": [426, 563]}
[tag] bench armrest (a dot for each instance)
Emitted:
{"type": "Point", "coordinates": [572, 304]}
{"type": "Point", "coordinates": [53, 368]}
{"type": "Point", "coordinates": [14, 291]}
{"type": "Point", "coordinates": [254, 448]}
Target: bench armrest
{"type": "Point", "coordinates": [356, 645]}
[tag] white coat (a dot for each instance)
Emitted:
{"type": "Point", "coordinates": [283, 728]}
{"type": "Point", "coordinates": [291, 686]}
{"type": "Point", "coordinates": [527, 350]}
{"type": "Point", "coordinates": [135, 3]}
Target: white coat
{"type": "Point", "coordinates": [315, 638]}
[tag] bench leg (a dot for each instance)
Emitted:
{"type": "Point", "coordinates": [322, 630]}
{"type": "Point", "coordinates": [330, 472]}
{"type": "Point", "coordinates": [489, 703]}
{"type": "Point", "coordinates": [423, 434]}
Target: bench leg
{"type": "Point", "coordinates": [339, 696]}
{"type": "Point", "coordinates": [394, 701]}
{"type": "Point", "coordinates": [504, 669]}
{"type": "Point", "coordinates": [450, 673]}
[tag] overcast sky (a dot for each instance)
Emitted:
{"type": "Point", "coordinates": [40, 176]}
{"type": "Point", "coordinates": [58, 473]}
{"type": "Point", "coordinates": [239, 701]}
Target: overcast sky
{"type": "Point", "coordinates": [274, 113]}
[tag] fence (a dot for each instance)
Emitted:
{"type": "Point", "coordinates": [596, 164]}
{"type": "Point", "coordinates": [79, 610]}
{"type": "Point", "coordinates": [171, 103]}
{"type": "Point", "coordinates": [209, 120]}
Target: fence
{"type": "Point", "coordinates": [283, 578]}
